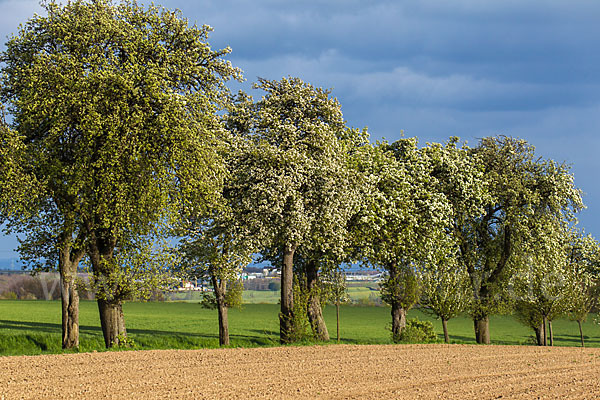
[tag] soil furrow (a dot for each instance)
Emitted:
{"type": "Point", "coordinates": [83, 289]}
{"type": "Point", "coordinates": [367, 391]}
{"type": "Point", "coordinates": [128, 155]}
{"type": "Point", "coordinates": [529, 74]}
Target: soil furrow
{"type": "Point", "coordinates": [337, 371]}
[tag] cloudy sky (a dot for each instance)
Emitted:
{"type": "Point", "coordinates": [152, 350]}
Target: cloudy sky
{"type": "Point", "coordinates": [430, 68]}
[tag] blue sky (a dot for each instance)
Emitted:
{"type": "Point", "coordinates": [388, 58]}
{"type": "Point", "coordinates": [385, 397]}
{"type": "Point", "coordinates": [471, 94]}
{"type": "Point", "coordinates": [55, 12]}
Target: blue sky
{"type": "Point", "coordinates": [432, 68]}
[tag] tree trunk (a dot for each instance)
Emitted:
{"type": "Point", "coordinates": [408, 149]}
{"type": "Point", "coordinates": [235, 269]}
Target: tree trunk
{"type": "Point", "coordinates": [491, 275]}
{"type": "Point", "coordinates": [223, 325]}
{"type": "Point", "coordinates": [314, 311]}
{"type": "Point", "coordinates": [68, 261]}
{"type": "Point", "coordinates": [220, 288]}
{"type": "Point", "coordinates": [337, 319]}
{"type": "Point", "coordinates": [445, 326]}
{"type": "Point", "coordinates": [70, 311]}
{"type": "Point", "coordinates": [581, 333]}
{"type": "Point", "coordinates": [101, 251]}
{"type": "Point", "coordinates": [286, 316]}
{"type": "Point", "coordinates": [544, 320]}
{"type": "Point", "coordinates": [482, 329]}
{"type": "Point", "coordinates": [539, 334]}
{"type": "Point", "coordinates": [112, 322]}
{"type": "Point", "coordinates": [398, 321]}
{"type": "Point", "coordinates": [550, 331]}
{"type": "Point", "coordinates": [398, 312]}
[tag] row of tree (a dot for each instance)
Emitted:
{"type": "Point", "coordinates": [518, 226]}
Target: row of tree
{"type": "Point", "coordinates": [124, 135]}
{"type": "Point", "coordinates": [480, 230]}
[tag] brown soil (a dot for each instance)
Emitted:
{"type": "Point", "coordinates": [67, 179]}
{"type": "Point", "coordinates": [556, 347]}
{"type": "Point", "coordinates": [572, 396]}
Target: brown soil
{"type": "Point", "coordinates": [338, 372]}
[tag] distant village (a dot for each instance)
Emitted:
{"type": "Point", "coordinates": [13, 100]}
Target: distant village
{"type": "Point", "coordinates": [270, 278]}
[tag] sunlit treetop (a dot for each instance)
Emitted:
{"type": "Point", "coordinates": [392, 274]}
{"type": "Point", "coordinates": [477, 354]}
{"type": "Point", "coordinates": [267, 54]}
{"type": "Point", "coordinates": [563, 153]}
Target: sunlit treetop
{"type": "Point", "coordinates": [290, 164]}
{"type": "Point", "coordinates": [117, 108]}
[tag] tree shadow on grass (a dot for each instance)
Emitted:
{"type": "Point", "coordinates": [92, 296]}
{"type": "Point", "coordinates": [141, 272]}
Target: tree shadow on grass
{"type": "Point", "coordinates": [560, 340]}
{"type": "Point", "coordinates": [40, 327]}
{"type": "Point", "coordinates": [458, 338]}
{"type": "Point", "coordinates": [575, 340]}
{"type": "Point", "coordinates": [44, 327]}
{"type": "Point", "coordinates": [265, 332]}
{"type": "Point", "coordinates": [471, 340]}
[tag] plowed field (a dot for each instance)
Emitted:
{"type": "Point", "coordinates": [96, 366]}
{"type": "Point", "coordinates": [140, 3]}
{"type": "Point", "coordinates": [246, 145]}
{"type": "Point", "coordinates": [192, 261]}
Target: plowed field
{"type": "Point", "coordinates": [338, 372]}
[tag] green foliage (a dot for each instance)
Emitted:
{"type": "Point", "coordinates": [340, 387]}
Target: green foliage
{"type": "Point", "coordinates": [214, 252]}
{"type": "Point", "coordinates": [274, 286]}
{"type": "Point", "coordinates": [333, 286]}
{"type": "Point", "coordinates": [528, 314]}
{"type": "Point", "coordinates": [444, 289]}
{"type": "Point", "coordinates": [137, 270]}
{"type": "Point", "coordinates": [401, 287]}
{"type": "Point", "coordinates": [300, 327]}
{"type": "Point", "coordinates": [417, 331]}
{"type": "Point", "coordinates": [584, 274]}
{"type": "Point", "coordinates": [8, 295]}
{"type": "Point", "coordinates": [17, 189]}
{"type": "Point", "coordinates": [124, 342]}
{"type": "Point", "coordinates": [233, 296]}
{"type": "Point", "coordinates": [209, 301]}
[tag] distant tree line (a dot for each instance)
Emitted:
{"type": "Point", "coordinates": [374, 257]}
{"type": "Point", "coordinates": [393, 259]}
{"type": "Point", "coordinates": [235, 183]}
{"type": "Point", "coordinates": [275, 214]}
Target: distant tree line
{"type": "Point", "coordinates": [124, 135]}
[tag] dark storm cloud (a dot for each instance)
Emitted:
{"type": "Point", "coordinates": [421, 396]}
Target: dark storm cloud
{"type": "Point", "coordinates": [463, 55]}
{"type": "Point", "coordinates": [466, 55]}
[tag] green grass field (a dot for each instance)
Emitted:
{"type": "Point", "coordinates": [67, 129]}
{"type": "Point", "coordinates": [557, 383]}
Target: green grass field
{"type": "Point", "coordinates": [33, 327]}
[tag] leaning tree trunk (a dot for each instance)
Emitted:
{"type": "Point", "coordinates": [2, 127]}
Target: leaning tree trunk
{"type": "Point", "coordinates": [482, 329]}
{"type": "Point", "coordinates": [110, 304]}
{"type": "Point", "coordinates": [220, 287]}
{"type": "Point", "coordinates": [313, 306]}
{"type": "Point", "coordinates": [286, 316]}
{"type": "Point", "coordinates": [539, 334]}
{"type": "Point", "coordinates": [581, 333]}
{"type": "Point", "coordinates": [550, 332]}
{"type": "Point", "coordinates": [445, 326]}
{"type": "Point", "coordinates": [68, 261]}
{"type": "Point", "coordinates": [223, 325]}
{"type": "Point", "coordinates": [70, 310]}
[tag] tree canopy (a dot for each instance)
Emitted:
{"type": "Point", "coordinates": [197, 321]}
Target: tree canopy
{"type": "Point", "coordinates": [116, 106]}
